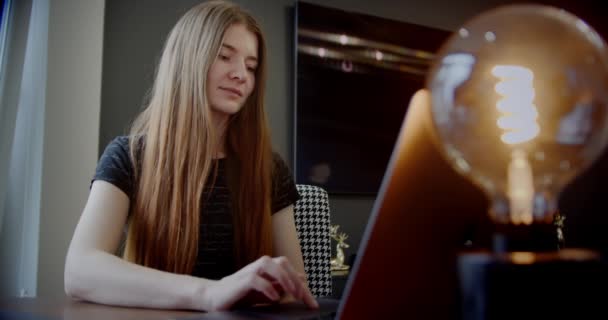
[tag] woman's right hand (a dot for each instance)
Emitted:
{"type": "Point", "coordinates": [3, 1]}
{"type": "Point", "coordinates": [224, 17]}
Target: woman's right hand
{"type": "Point", "coordinates": [269, 278]}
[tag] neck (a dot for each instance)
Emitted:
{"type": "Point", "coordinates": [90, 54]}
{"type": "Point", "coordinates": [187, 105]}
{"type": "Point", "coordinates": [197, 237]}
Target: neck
{"type": "Point", "coordinates": [220, 123]}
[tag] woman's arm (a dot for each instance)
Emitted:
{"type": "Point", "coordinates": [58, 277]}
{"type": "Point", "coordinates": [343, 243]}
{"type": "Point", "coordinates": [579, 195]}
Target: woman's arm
{"type": "Point", "coordinates": [94, 273]}
{"type": "Point", "coordinates": [285, 238]}
{"type": "Point", "coordinates": [286, 244]}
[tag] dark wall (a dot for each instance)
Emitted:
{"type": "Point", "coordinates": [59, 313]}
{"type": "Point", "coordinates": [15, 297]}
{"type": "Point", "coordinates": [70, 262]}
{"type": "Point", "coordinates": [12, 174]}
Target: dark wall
{"type": "Point", "coordinates": [135, 31]}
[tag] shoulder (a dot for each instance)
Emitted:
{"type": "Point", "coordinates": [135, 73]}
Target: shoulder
{"type": "Point", "coordinates": [280, 169]}
{"type": "Point", "coordinates": [119, 144]}
{"type": "Point", "coordinates": [120, 147]}
{"type": "Point", "coordinates": [284, 190]}
{"type": "Point", "coordinates": [115, 165]}
{"type": "Point", "coordinates": [278, 161]}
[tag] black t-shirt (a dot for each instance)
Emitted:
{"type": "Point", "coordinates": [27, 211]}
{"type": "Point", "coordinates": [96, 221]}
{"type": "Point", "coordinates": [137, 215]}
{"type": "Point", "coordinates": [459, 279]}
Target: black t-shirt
{"type": "Point", "coordinates": [215, 251]}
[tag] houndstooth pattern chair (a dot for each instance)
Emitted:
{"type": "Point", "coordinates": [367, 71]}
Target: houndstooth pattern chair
{"type": "Point", "coordinates": [312, 218]}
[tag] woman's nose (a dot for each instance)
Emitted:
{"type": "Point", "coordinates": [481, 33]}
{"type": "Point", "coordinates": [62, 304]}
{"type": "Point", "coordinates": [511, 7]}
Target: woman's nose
{"type": "Point", "coordinates": [238, 72]}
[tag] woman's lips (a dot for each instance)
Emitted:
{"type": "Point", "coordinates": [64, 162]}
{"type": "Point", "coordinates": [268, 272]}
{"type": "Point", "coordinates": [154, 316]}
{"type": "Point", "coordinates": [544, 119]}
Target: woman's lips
{"type": "Point", "coordinates": [233, 90]}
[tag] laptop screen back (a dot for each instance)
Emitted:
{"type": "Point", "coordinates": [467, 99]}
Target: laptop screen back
{"type": "Point", "coordinates": [423, 215]}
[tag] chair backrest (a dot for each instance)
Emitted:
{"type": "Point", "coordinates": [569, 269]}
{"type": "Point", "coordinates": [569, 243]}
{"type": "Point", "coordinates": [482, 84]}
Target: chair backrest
{"type": "Point", "coordinates": [312, 218]}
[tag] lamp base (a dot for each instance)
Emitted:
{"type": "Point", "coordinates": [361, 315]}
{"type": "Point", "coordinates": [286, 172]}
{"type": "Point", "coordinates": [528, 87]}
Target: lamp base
{"type": "Point", "coordinates": [570, 283]}
{"type": "Point", "coordinates": [538, 237]}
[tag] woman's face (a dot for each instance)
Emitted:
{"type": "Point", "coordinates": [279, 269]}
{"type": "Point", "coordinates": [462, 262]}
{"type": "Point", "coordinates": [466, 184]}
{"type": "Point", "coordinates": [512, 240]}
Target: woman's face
{"type": "Point", "coordinates": [231, 78]}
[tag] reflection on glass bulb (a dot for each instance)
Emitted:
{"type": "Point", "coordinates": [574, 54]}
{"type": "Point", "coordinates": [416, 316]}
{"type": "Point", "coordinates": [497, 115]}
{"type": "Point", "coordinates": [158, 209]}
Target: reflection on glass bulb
{"type": "Point", "coordinates": [520, 106]}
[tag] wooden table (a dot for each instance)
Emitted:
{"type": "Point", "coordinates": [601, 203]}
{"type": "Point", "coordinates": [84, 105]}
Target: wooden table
{"type": "Point", "coordinates": [66, 308]}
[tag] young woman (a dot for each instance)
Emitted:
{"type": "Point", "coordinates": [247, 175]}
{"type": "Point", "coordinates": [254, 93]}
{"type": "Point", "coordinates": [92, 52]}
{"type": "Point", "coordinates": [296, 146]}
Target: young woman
{"type": "Point", "coordinates": [195, 186]}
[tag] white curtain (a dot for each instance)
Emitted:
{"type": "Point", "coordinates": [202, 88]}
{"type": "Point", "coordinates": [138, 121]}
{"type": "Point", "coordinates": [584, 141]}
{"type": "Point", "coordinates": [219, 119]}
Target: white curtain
{"type": "Point", "coordinates": [22, 94]}
{"type": "Point", "coordinates": [15, 23]}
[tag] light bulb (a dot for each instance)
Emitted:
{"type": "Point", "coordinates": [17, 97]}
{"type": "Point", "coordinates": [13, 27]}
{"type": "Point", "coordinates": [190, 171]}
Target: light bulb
{"type": "Point", "coordinates": [520, 106]}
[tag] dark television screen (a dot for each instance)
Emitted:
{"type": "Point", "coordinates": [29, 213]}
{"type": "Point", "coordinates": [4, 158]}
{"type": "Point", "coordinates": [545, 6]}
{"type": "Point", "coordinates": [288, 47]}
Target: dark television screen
{"type": "Point", "coordinates": [355, 76]}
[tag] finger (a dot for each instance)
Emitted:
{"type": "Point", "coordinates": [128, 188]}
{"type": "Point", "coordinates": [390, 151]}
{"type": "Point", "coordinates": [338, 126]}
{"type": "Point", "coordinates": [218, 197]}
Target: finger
{"type": "Point", "coordinates": [239, 291]}
{"type": "Point", "coordinates": [277, 286]}
{"type": "Point", "coordinates": [302, 292]}
{"type": "Point", "coordinates": [307, 296]}
{"type": "Point", "coordinates": [264, 286]}
{"type": "Point", "coordinates": [262, 266]}
{"type": "Point", "coordinates": [275, 271]}
{"type": "Point", "coordinates": [309, 299]}
{"type": "Point", "coordinates": [294, 276]}
{"type": "Point", "coordinates": [255, 297]}
{"type": "Point", "coordinates": [287, 299]}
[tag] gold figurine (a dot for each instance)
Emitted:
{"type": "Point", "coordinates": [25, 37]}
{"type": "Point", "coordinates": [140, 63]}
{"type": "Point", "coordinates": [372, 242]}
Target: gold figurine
{"type": "Point", "coordinates": [337, 264]}
{"type": "Point", "coordinates": [559, 225]}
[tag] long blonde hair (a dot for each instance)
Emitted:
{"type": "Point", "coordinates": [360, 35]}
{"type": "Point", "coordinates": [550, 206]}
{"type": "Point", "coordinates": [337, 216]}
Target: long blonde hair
{"type": "Point", "coordinates": [172, 143]}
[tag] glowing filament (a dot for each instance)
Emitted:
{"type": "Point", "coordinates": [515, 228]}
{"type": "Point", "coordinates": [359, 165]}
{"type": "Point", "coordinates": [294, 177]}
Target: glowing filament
{"type": "Point", "coordinates": [519, 113]}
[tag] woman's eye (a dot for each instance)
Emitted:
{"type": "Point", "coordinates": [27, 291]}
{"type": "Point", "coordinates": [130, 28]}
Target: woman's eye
{"type": "Point", "coordinates": [224, 57]}
{"type": "Point", "coordinates": [251, 69]}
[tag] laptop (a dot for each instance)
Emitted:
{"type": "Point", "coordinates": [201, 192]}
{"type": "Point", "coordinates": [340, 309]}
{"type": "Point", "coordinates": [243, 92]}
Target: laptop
{"type": "Point", "coordinates": [424, 214]}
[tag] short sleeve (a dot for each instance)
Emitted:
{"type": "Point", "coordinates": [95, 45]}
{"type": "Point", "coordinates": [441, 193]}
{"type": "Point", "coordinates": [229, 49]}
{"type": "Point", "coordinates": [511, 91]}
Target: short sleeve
{"type": "Point", "coordinates": [115, 166]}
{"type": "Point", "coordinates": [284, 191]}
